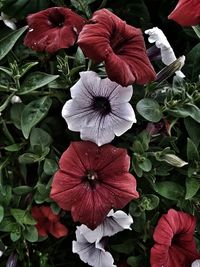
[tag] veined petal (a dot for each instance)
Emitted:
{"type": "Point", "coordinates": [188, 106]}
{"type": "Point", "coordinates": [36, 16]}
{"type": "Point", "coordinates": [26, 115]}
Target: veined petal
{"type": "Point", "coordinates": [114, 222]}
{"type": "Point", "coordinates": [94, 253]}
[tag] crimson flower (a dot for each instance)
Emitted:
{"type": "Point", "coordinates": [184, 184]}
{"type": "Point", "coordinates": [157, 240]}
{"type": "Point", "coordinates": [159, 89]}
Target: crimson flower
{"type": "Point", "coordinates": [52, 29]}
{"type": "Point", "coordinates": [174, 240]}
{"type": "Point", "coordinates": [186, 13]}
{"type": "Point", "coordinates": [48, 222]}
{"type": "Point", "coordinates": [92, 180]}
{"type": "Point", "coordinates": [107, 38]}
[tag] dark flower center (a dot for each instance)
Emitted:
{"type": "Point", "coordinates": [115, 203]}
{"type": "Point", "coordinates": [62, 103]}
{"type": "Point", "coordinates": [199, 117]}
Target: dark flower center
{"type": "Point", "coordinates": [91, 178]}
{"type": "Point", "coordinates": [102, 105]}
{"type": "Point", "coordinates": [56, 19]}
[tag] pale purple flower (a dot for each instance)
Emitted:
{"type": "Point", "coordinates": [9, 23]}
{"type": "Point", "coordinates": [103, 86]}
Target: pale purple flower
{"type": "Point", "coordinates": [9, 22]}
{"type": "Point", "coordinates": [90, 244]}
{"type": "Point", "coordinates": [114, 222]}
{"type": "Point", "coordinates": [99, 108]}
{"type": "Point", "coordinates": [94, 253]}
{"type": "Point", "coordinates": [196, 263]}
{"type": "Point", "coordinates": [157, 36]}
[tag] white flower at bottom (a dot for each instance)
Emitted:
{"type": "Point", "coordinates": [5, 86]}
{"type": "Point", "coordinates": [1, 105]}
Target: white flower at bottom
{"type": "Point", "coordinates": [114, 222]}
{"type": "Point", "coordinates": [10, 22]}
{"type": "Point", "coordinates": [90, 244]}
{"type": "Point", "coordinates": [157, 36]}
{"type": "Point", "coordinates": [196, 263]}
{"type": "Point", "coordinates": [93, 254]}
{"type": "Point", "coordinates": [99, 108]}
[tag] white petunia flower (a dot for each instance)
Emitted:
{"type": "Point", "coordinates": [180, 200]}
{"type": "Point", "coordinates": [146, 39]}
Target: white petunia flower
{"type": "Point", "coordinates": [93, 254]}
{"type": "Point", "coordinates": [10, 22]}
{"type": "Point", "coordinates": [196, 263]}
{"type": "Point", "coordinates": [157, 36]}
{"type": "Point", "coordinates": [15, 99]}
{"type": "Point", "coordinates": [99, 108]}
{"type": "Point", "coordinates": [114, 222]}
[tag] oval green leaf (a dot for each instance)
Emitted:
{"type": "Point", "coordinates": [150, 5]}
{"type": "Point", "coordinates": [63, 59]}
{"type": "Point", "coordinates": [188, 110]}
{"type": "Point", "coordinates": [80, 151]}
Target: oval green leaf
{"type": "Point", "coordinates": [33, 113]}
{"type": "Point", "coordinates": [36, 80]}
{"type": "Point", "coordinates": [7, 43]}
{"type": "Point", "coordinates": [149, 109]}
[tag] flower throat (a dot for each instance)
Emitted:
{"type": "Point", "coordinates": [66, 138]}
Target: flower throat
{"type": "Point", "coordinates": [102, 105]}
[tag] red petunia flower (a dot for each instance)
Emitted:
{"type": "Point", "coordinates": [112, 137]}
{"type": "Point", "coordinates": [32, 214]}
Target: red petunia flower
{"type": "Point", "coordinates": [53, 29]}
{"type": "Point", "coordinates": [92, 180]}
{"type": "Point", "coordinates": [174, 240]}
{"type": "Point", "coordinates": [107, 38]}
{"type": "Point", "coordinates": [186, 13]}
{"type": "Point", "coordinates": [48, 222]}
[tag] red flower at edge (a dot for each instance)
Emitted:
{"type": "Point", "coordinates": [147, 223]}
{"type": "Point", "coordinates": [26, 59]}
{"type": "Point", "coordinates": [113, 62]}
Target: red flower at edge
{"type": "Point", "coordinates": [52, 29]}
{"type": "Point", "coordinates": [92, 180]}
{"type": "Point", "coordinates": [174, 240]}
{"type": "Point", "coordinates": [107, 38]}
{"type": "Point", "coordinates": [48, 222]}
{"type": "Point", "coordinates": [186, 13]}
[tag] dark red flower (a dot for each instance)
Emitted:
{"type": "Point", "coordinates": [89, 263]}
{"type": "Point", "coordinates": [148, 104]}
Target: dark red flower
{"type": "Point", "coordinates": [53, 29]}
{"type": "Point", "coordinates": [92, 180]}
{"type": "Point", "coordinates": [48, 222]}
{"type": "Point", "coordinates": [186, 13]}
{"type": "Point", "coordinates": [174, 240]}
{"type": "Point", "coordinates": [107, 38]}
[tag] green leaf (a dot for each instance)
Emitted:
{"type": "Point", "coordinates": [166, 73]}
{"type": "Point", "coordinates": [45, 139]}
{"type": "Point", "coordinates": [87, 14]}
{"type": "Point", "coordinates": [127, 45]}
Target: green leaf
{"type": "Point", "coordinates": [15, 114]}
{"type": "Point", "coordinates": [192, 186]}
{"type": "Point", "coordinates": [170, 190]}
{"type": "Point", "coordinates": [145, 165]}
{"type": "Point", "coordinates": [8, 225]}
{"type": "Point", "coordinates": [7, 43]}
{"type": "Point", "coordinates": [127, 247]}
{"type": "Point", "coordinates": [50, 166]}
{"type": "Point", "coordinates": [31, 233]}
{"type": "Point", "coordinates": [193, 129]}
{"type": "Point", "coordinates": [192, 152]}
{"type": "Point", "coordinates": [22, 190]}
{"type": "Point", "coordinates": [149, 202]}
{"type": "Point", "coordinates": [22, 216]}
{"type": "Point", "coordinates": [29, 158]}
{"type": "Point", "coordinates": [192, 62]}
{"type": "Point", "coordinates": [36, 80]}
{"type": "Point", "coordinates": [13, 148]}
{"type": "Point", "coordinates": [185, 111]}
{"type": "Point", "coordinates": [27, 66]}
{"type": "Point", "coordinates": [149, 109]}
{"type": "Point", "coordinates": [135, 261]}
{"type": "Point", "coordinates": [33, 113]}
{"type": "Point", "coordinates": [40, 139]}
{"type": "Point", "coordinates": [1, 213]}
{"type": "Point", "coordinates": [21, 8]}
{"type": "Point", "coordinates": [14, 236]}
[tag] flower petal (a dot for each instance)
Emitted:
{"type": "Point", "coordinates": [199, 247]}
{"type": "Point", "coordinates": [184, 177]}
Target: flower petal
{"type": "Point", "coordinates": [186, 13]}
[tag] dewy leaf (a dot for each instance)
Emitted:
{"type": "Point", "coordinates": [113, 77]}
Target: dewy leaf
{"type": "Point", "coordinates": [149, 109]}
{"type": "Point", "coordinates": [36, 80]}
{"type": "Point", "coordinates": [33, 113]}
{"type": "Point", "coordinates": [7, 43]}
{"type": "Point", "coordinates": [170, 190]}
